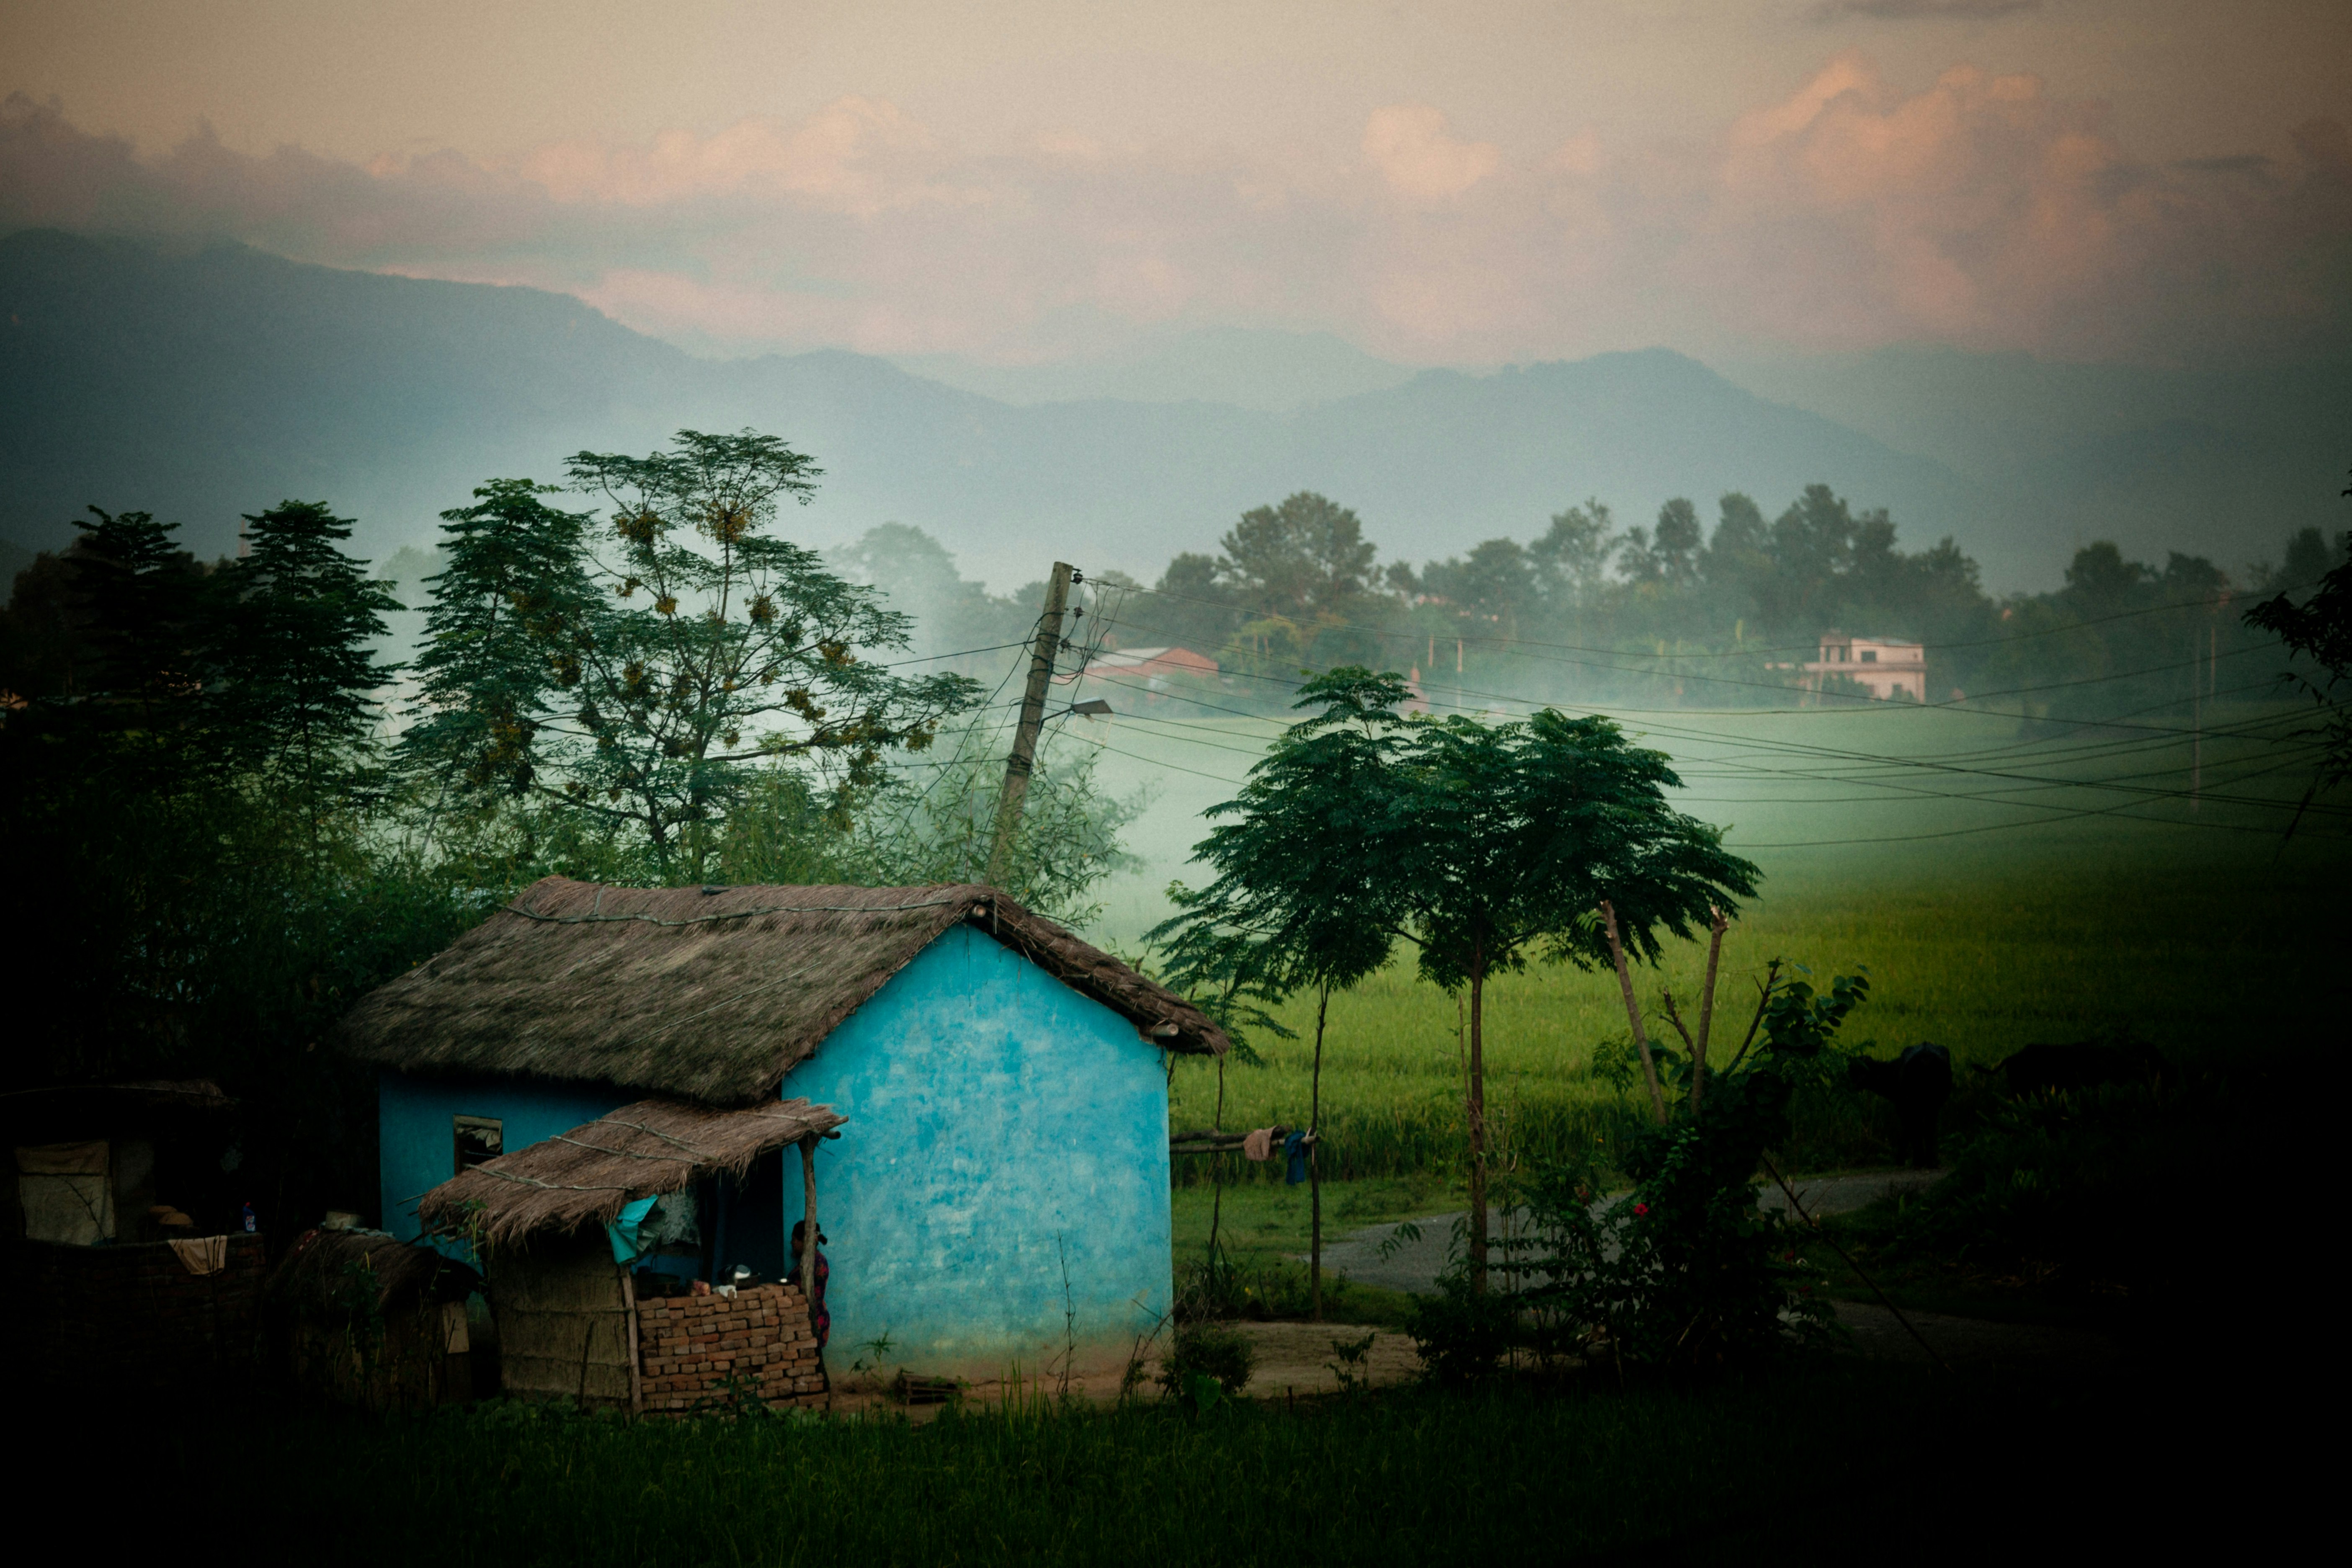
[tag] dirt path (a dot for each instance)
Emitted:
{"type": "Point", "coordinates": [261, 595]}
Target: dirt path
{"type": "Point", "coordinates": [1297, 1357]}
{"type": "Point", "coordinates": [1415, 1265]}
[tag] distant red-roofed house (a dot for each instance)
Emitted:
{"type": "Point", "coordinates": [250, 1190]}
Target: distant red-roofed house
{"type": "Point", "coordinates": [1149, 667]}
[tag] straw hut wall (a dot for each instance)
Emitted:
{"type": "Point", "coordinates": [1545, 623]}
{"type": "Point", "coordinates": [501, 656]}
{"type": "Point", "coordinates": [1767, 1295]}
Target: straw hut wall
{"type": "Point", "coordinates": [709, 994]}
{"type": "Point", "coordinates": [565, 1320]}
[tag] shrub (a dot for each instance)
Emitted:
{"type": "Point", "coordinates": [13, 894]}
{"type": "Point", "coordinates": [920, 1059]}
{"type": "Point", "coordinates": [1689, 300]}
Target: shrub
{"type": "Point", "coordinates": [1460, 1332]}
{"type": "Point", "coordinates": [1206, 1360]}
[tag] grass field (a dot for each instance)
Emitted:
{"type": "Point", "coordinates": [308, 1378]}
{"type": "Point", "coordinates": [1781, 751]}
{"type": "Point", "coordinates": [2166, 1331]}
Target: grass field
{"type": "Point", "coordinates": [2002, 883]}
{"type": "Point", "coordinates": [1795, 1467]}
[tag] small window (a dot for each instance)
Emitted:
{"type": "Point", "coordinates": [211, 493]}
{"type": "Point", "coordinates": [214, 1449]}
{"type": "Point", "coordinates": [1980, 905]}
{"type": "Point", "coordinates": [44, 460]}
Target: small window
{"type": "Point", "coordinates": [479, 1138]}
{"type": "Point", "coordinates": [1870, 656]}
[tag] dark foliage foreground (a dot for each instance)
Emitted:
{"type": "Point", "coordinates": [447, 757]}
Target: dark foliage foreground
{"type": "Point", "coordinates": [1827, 1463]}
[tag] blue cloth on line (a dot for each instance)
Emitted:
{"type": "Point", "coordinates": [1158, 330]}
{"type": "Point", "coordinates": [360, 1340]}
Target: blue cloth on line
{"type": "Point", "coordinates": [1295, 1147]}
{"type": "Point", "coordinates": [624, 1230]}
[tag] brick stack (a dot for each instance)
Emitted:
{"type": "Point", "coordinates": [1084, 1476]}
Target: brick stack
{"type": "Point", "coordinates": [129, 1317]}
{"type": "Point", "coordinates": [691, 1348]}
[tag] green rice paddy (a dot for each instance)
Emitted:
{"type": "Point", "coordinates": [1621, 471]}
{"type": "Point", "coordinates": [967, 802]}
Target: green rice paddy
{"type": "Point", "coordinates": [2002, 882]}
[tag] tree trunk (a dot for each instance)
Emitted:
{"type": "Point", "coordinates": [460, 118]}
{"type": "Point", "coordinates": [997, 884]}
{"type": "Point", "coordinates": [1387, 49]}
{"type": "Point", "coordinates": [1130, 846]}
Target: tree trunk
{"type": "Point", "coordinates": [1478, 1121]}
{"type": "Point", "coordinates": [1216, 1165]}
{"type": "Point", "coordinates": [1706, 1005]}
{"type": "Point", "coordinates": [1633, 1013]}
{"type": "Point", "coordinates": [1314, 1168]}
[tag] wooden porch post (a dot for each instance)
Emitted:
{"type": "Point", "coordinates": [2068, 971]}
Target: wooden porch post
{"type": "Point", "coordinates": [808, 1219]}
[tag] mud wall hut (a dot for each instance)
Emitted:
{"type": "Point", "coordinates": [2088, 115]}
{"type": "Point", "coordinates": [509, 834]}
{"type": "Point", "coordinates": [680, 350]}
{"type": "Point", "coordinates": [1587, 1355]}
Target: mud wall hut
{"type": "Point", "coordinates": [1009, 1160]}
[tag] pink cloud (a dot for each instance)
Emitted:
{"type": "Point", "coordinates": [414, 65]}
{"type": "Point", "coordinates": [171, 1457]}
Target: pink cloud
{"type": "Point", "coordinates": [1409, 145]}
{"type": "Point", "coordinates": [1982, 210]}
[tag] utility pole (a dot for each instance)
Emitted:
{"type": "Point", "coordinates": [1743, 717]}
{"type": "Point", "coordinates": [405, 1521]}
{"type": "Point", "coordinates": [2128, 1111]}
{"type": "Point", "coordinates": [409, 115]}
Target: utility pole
{"type": "Point", "coordinates": [1018, 766]}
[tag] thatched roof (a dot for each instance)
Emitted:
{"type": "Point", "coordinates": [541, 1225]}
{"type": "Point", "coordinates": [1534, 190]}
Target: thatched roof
{"type": "Point", "coordinates": [584, 1176]}
{"type": "Point", "coordinates": [326, 1272]}
{"type": "Point", "coordinates": [707, 993]}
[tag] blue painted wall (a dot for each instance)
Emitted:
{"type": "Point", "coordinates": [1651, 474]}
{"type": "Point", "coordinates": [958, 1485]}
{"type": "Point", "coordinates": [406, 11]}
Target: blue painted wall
{"type": "Point", "coordinates": [414, 1122]}
{"type": "Point", "coordinates": [993, 1111]}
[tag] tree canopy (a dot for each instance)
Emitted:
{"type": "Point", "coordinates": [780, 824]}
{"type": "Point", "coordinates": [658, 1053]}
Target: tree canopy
{"type": "Point", "coordinates": [640, 674]}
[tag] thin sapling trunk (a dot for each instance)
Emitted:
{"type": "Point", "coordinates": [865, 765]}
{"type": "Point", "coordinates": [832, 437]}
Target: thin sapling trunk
{"type": "Point", "coordinates": [1706, 1004]}
{"type": "Point", "coordinates": [1217, 1166]}
{"type": "Point", "coordinates": [1633, 1013]}
{"type": "Point", "coordinates": [1477, 1109]}
{"type": "Point", "coordinates": [1314, 1168]}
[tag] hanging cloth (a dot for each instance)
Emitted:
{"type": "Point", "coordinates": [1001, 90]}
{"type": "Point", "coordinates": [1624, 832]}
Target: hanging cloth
{"type": "Point", "coordinates": [1296, 1146]}
{"type": "Point", "coordinates": [1259, 1144]}
{"type": "Point", "coordinates": [627, 1242]}
{"type": "Point", "coordinates": [201, 1254]}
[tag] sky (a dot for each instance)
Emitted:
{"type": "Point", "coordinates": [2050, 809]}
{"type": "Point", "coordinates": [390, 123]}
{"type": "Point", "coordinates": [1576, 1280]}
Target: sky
{"type": "Point", "coordinates": [2157, 181]}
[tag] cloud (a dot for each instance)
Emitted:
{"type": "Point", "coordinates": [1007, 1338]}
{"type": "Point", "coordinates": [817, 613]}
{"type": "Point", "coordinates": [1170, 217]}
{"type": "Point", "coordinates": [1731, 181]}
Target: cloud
{"type": "Point", "coordinates": [1921, 10]}
{"type": "Point", "coordinates": [1409, 144]}
{"type": "Point", "coordinates": [1982, 210]}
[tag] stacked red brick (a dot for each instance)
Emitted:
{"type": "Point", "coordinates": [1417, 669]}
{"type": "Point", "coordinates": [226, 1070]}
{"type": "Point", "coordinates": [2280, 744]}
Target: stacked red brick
{"type": "Point", "coordinates": [700, 1351]}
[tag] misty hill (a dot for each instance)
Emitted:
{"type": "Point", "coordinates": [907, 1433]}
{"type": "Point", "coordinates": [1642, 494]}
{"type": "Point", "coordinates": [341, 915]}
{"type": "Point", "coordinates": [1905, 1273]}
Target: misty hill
{"type": "Point", "coordinates": [199, 385]}
{"type": "Point", "coordinates": [2223, 460]}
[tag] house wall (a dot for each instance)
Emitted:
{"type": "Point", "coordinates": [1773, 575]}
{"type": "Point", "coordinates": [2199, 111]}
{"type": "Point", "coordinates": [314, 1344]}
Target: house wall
{"type": "Point", "coordinates": [994, 1113]}
{"type": "Point", "coordinates": [413, 1117]}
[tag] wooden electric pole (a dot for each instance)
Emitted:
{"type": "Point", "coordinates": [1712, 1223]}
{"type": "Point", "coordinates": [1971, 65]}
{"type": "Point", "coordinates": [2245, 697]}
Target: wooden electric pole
{"type": "Point", "coordinates": [1023, 759]}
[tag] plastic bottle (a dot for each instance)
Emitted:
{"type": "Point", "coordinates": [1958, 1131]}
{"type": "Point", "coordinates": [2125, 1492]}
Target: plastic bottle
{"type": "Point", "coordinates": [252, 1221]}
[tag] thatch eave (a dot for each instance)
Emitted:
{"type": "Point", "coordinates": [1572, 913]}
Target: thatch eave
{"type": "Point", "coordinates": [711, 994]}
{"type": "Point", "coordinates": [587, 1175]}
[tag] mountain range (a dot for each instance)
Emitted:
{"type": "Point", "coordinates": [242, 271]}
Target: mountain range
{"type": "Point", "coordinates": [199, 384]}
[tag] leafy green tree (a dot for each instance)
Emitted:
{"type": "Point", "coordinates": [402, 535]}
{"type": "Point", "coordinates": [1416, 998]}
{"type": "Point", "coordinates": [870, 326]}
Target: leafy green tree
{"type": "Point", "coordinates": [1480, 844]}
{"type": "Point", "coordinates": [1571, 559]}
{"type": "Point", "coordinates": [501, 642]}
{"type": "Point", "coordinates": [297, 677]}
{"type": "Point", "coordinates": [142, 597]}
{"type": "Point", "coordinates": [2319, 628]}
{"type": "Point", "coordinates": [647, 681]}
{"type": "Point", "coordinates": [1494, 587]}
{"type": "Point", "coordinates": [1294, 905]}
{"type": "Point", "coordinates": [1669, 554]}
{"type": "Point", "coordinates": [1305, 558]}
{"type": "Point", "coordinates": [950, 612]}
{"type": "Point", "coordinates": [936, 822]}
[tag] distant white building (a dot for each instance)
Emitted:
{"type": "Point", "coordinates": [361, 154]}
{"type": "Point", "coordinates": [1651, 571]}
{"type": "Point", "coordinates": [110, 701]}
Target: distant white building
{"type": "Point", "coordinates": [1886, 666]}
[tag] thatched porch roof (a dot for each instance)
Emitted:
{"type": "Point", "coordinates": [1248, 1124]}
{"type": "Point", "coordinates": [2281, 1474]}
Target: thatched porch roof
{"type": "Point", "coordinates": [584, 1176]}
{"type": "Point", "coordinates": [710, 994]}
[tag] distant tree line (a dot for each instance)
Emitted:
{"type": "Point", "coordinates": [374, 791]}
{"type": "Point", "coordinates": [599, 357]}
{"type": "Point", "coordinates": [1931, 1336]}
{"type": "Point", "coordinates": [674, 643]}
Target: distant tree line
{"type": "Point", "coordinates": [1681, 613]}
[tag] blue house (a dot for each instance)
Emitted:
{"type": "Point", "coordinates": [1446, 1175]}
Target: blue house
{"type": "Point", "coordinates": [1004, 1158]}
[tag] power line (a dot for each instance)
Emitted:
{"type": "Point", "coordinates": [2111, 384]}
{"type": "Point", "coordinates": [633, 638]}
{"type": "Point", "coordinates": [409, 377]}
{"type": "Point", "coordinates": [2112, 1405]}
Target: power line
{"type": "Point", "coordinates": [1384, 632]}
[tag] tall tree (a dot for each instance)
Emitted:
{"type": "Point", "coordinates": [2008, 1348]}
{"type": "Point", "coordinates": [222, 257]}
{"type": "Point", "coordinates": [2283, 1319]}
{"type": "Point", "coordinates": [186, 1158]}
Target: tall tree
{"type": "Point", "coordinates": [298, 678]}
{"type": "Point", "coordinates": [1571, 559]}
{"type": "Point", "coordinates": [645, 682]}
{"type": "Point", "coordinates": [1507, 839]}
{"type": "Point", "coordinates": [2319, 628]}
{"type": "Point", "coordinates": [1305, 558]}
{"type": "Point", "coordinates": [1478, 844]}
{"type": "Point", "coordinates": [511, 609]}
{"type": "Point", "coordinates": [1293, 892]}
